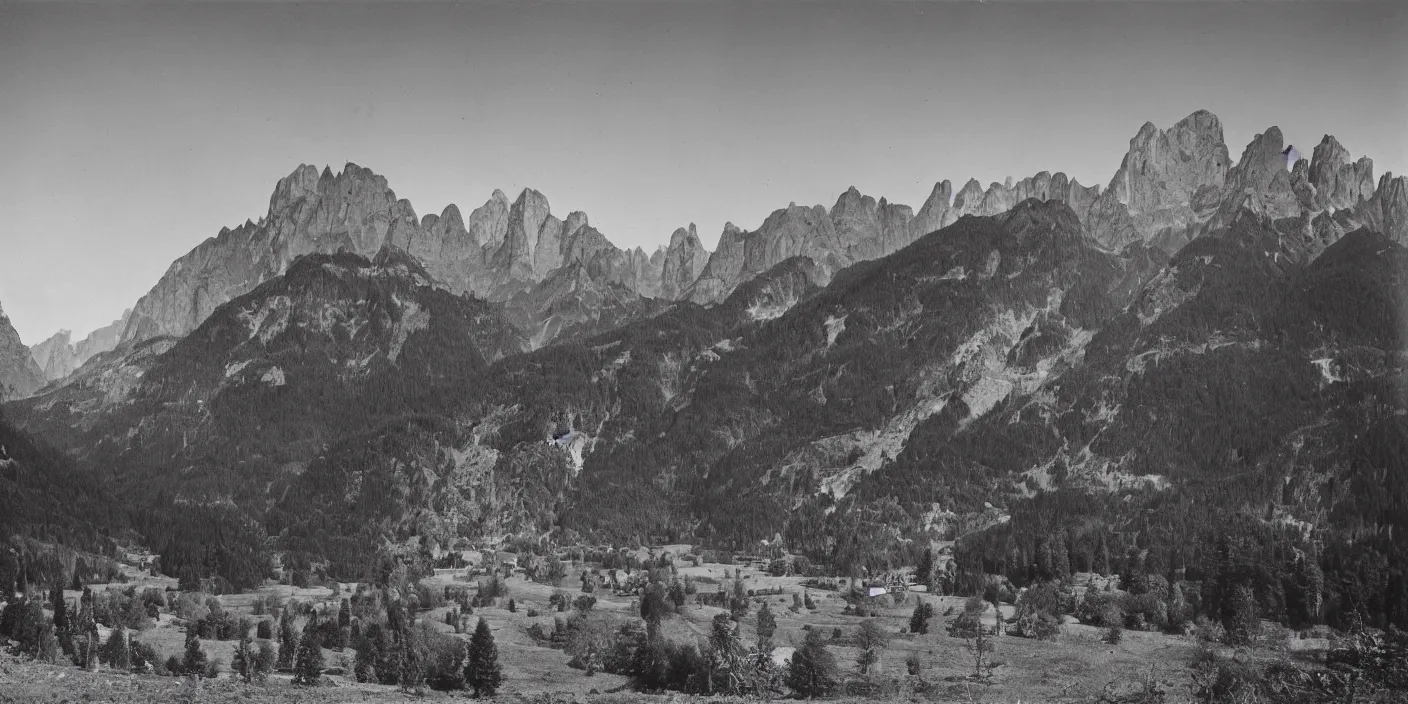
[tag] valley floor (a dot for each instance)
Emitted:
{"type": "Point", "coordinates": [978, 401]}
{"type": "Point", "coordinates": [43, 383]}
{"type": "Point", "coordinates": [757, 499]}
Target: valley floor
{"type": "Point", "coordinates": [1078, 667]}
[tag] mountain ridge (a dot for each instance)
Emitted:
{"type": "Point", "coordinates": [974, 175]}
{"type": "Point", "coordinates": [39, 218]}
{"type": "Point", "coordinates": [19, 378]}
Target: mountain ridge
{"type": "Point", "coordinates": [1169, 186]}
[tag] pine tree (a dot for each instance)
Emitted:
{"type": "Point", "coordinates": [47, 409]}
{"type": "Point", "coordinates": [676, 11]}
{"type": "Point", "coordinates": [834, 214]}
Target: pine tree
{"type": "Point", "coordinates": [482, 671]}
{"type": "Point", "coordinates": [264, 661]}
{"type": "Point", "coordinates": [288, 640]}
{"type": "Point", "coordinates": [412, 668]}
{"type": "Point", "coordinates": [364, 666]}
{"type": "Point", "coordinates": [242, 663]}
{"type": "Point", "coordinates": [925, 571]}
{"type": "Point", "coordinates": [118, 652]}
{"type": "Point", "coordinates": [767, 625]}
{"type": "Point", "coordinates": [812, 672]}
{"type": "Point", "coordinates": [56, 601]}
{"type": "Point", "coordinates": [63, 626]}
{"type": "Point", "coordinates": [194, 661]}
{"type": "Point", "coordinates": [919, 621]}
{"type": "Point", "coordinates": [90, 647]}
{"type": "Point", "coordinates": [1102, 557]}
{"type": "Point", "coordinates": [1239, 615]}
{"type": "Point", "coordinates": [344, 614]}
{"type": "Point", "coordinates": [308, 663]}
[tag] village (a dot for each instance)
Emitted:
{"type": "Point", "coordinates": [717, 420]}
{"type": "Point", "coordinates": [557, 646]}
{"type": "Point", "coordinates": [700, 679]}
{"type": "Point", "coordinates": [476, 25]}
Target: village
{"type": "Point", "coordinates": [605, 586]}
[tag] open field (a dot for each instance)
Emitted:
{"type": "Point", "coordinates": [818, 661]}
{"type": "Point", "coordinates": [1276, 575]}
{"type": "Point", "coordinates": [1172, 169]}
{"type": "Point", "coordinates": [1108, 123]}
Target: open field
{"type": "Point", "coordinates": [1075, 668]}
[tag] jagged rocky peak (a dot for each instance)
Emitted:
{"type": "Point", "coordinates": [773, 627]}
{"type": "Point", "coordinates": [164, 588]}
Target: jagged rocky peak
{"type": "Point", "coordinates": [683, 263]}
{"type": "Point", "coordinates": [1338, 182]}
{"type": "Point", "coordinates": [1261, 181]}
{"type": "Point", "coordinates": [1168, 183]}
{"type": "Point", "coordinates": [869, 228]}
{"type": "Point", "coordinates": [309, 212]}
{"type": "Point", "coordinates": [489, 222]}
{"type": "Point", "coordinates": [59, 357]}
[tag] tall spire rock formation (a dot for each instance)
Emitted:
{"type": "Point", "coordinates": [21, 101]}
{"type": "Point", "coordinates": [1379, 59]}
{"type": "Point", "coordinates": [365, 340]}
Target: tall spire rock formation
{"type": "Point", "coordinates": [684, 261]}
{"type": "Point", "coordinates": [20, 375]}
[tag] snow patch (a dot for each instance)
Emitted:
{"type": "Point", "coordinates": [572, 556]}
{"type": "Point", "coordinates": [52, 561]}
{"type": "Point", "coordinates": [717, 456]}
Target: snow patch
{"type": "Point", "coordinates": [234, 368]}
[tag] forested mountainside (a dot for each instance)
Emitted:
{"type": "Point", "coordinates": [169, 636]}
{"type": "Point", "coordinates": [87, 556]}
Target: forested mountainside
{"type": "Point", "coordinates": [1197, 373]}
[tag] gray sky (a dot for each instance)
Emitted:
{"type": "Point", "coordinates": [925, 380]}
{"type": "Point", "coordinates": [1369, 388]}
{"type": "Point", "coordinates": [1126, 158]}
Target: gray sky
{"type": "Point", "coordinates": [129, 133]}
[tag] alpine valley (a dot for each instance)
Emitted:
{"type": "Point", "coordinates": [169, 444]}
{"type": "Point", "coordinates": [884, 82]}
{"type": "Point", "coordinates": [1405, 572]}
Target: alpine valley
{"type": "Point", "coordinates": [1197, 370]}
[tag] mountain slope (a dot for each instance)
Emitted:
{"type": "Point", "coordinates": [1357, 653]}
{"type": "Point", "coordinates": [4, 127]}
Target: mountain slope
{"type": "Point", "coordinates": [58, 357]}
{"type": "Point", "coordinates": [20, 375]}
{"type": "Point", "coordinates": [236, 407]}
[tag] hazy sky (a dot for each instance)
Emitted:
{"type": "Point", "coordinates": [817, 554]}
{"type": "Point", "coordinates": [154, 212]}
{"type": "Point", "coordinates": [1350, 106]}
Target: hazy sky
{"type": "Point", "coordinates": [129, 133]}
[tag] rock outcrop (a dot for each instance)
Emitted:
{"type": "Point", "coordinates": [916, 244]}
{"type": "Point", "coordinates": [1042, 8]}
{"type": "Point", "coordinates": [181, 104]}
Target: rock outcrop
{"type": "Point", "coordinates": [1171, 186]}
{"type": "Point", "coordinates": [20, 375]}
{"type": "Point", "coordinates": [58, 357]}
{"type": "Point", "coordinates": [1168, 183]}
{"type": "Point", "coordinates": [501, 250]}
{"type": "Point", "coordinates": [790, 232]}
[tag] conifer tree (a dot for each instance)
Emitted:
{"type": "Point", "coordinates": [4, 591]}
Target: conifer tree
{"type": "Point", "coordinates": [412, 667]}
{"type": "Point", "coordinates": [63, 621]}
{"type": "Point", "coordinates": [118, 652]}
{"type": "Point", "coordinates": [364, 665]}
{"type": "Point", "coordinates": [288, 640]}
{"type": "Point", "coordinates": [812, 672]}
{"type": "Point", "coordinates": [482, 671]}
{"type": "Point", "coordinates": [264, 661]}
{"type": "Point", "coordinates": [767, 625]}
{"type": "Point", "coordinates": [56, 601]}
{"type": "Point", "coordinates": [242, 663]}
{"type": "Point", "coordinates": [1102, 557]}
{"type": "Point", "coordinates": [1239, 615]}
{"type": "Point", "coordinates": [194, 660]}
{"type": "Point", "coordinates": [924, 571]}
{"type": "Point", "coordinates": [919, 621]}
{"type": "Point", "coordinates": [344, 614]}
{"type": "Point", "coordinates": [308, 663]}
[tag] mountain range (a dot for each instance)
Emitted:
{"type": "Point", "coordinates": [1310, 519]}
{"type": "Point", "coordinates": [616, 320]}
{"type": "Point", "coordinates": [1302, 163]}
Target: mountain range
{"type": "Point", "coordinates": [1200, 344]}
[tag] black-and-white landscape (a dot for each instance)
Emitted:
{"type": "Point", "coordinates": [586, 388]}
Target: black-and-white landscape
{"type": "Point", "coordinates": [1113, 410]}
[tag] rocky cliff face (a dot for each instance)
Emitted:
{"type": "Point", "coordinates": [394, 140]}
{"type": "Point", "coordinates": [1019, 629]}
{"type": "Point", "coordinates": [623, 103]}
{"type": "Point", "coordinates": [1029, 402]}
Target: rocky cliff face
{"type": "Point", "coordinates": [1172, 185]}
{"type": "Point", "coordinates": [1166, 185]}
{"type": "Point", "coordinates": [20, 375]}
{"type": "Point", "coordinates": [501, 250]}
{"type": "Point", "coordinates": [58, 357]}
